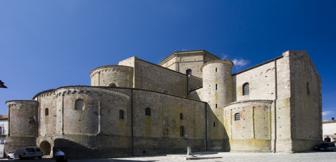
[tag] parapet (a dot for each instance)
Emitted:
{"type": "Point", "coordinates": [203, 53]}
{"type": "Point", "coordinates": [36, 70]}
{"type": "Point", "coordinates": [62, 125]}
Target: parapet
{"type": "Point", "coordinates": [32, 103]}
{"type": "Point", "coordinates": [227, 62]}
{"type": "Point", "coordinates": [112, 76]}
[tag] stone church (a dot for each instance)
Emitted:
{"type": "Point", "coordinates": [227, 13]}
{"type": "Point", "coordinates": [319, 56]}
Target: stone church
{"type": "Point", "coordinates": [191, 98]}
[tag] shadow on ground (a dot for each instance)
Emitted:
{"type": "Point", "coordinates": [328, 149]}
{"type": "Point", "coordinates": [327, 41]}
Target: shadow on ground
{"type": "Point", "coordinates": [82, 160]}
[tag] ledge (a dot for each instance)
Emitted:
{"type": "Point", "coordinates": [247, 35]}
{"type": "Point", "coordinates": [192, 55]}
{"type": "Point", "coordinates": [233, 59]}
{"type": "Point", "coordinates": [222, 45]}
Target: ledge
{"type": "Point", "coordinates": [108, 66]}
{"type": "Point", "coordinates": [110, 88]}
{"type": "Point", "coordinates": [247, 101]}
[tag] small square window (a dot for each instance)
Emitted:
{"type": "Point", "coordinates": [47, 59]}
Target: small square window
{"type": "Point", "coordinates": [237, 116]}
{"type": "Point", "coordinates": [46, 111]}
{"type": "Point", "coordinates": [181, 116]}
{"type": "Point", "coordinates": [121, 114]}
{"type": "Point", "coordinates": [148, 111]}
{"type": "Point", "coordinates": [182, 131]}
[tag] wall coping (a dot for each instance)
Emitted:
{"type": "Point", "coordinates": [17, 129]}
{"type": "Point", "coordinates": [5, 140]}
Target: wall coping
{"type": "Point", "coordinates": [109, 66]}
{"type": "Point", "coordinates": [248, 101]}
{"type": "Point", "coordinates": [109, 88]}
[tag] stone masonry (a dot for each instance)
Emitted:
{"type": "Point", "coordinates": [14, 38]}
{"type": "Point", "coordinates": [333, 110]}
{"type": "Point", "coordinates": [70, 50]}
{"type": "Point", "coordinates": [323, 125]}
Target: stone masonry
{"type": "Point", "coordinates": [191, 98]}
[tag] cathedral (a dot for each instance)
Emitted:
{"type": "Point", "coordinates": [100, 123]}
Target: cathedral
{"type": "Point", "coordinates": [191, 98]}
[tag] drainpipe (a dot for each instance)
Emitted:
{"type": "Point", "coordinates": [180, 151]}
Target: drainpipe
{"type": "Point", "coordinates": [206, 126]}
{"type": "Point", "coordinates": [132, 126]}
{"type": "Point", "coordinates": [99, 118]}
{"type": "Point", "coordinates": [275, 106]}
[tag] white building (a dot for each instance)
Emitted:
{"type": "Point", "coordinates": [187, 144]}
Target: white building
{"type": "Point", "coordinates": [3, 128]}
{"type": "Point", "coordinates": [329, 129]}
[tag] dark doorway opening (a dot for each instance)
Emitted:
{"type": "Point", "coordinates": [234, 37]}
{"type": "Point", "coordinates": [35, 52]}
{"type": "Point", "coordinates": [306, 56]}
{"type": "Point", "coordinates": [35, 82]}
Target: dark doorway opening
{"type": "Point", "coordinates": [45, 147]}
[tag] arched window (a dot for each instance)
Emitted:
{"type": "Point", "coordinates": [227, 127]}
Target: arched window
{"type": "Point", "coordinates": [246, 89]}
{"type": "Point", "coordinates": [112, 85]}
{"type": "Point", "coordinates": [188, 72]}
{"type": "Point", "coordinates": [46, 111]}
{"type": "Point", "coordinates": [79, 104]}
{"type": "Point", "coordinates": [148, 111]}
{"type": "Point", "coordinates": [308, 88]}
{"type": "Point", "coordinates": [237, 116]}
{"type": "Point", "coordinates": [181, 116]}
{"type": "Point", "coordinates": [121, 114]}
{"type": "Point", "coordinates": [182, 131]}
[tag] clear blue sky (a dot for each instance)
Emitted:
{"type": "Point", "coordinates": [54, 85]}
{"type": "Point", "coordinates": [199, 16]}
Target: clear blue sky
{"type": "Point", "coordinates": [46, 44]}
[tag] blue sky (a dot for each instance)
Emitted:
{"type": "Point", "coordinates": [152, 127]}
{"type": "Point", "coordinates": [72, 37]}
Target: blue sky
{"type": "Point", "coordinates": [46, 44]}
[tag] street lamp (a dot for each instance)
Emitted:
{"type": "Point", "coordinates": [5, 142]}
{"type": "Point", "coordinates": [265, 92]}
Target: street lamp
{"type": "Point", "coordinates": [2, 84]}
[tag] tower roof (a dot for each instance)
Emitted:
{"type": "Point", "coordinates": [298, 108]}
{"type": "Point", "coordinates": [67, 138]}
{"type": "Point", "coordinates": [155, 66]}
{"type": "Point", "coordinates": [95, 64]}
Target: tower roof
{"type": "Point", "coordinates": [188, 53]}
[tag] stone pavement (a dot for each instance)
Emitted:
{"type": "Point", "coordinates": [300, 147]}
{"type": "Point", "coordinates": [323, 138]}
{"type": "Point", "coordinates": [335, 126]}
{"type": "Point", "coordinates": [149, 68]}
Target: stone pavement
{"type": "Point", "coordinates": [224, 157]}
{"type": "Point", "coordinates": [245, 157]}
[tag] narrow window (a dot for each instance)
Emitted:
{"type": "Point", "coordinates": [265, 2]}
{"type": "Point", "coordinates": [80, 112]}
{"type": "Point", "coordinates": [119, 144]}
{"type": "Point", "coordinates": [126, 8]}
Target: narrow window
{"type": "Point", "coordinates": [112, 85]}
{"type": "Point", "coordinates": [121, 114]}
{"type": "Point", "coordinates": [188, 72]}
{"type": "Point", "coordinates": [79, 104]}
{"type": "Point", "coordinates": [246, 89]}
{"type": "Point", "coordinates": [237, 116]}
{"type": "Point", "coordinates": [216, 105]}
{"type": "Point", "coordinates": [181, 116]}
{"type": "Point", "coordinates": [308, 88]}
{"type": "Point", "coordinates": [148, 111]}
{"type": "Point", "coordinates": [46, 111]}
{"type": "Point", "coordinates": [182, 131]}
{"type": "Point", "coordinates": [214, 124]}
{"type": "Point", "coordinates": [216, 70]}
{"type": "Point", "coordinates": [216, 86]}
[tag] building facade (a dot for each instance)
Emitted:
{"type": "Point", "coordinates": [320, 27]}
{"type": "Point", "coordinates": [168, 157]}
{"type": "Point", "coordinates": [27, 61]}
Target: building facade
{"type": "Point", "coordinates": [191, 98]}
{"type": "Point", "coordinates": [329, 129]}
{"type": "Point", "coordinates": [3, 128]}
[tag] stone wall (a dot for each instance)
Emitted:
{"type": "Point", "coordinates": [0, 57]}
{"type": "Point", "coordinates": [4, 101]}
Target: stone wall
{"type": "Point", "coordinates": [22, 124]}
{"type": "Point", "coordinates": [157, 78]}
{"type": "Point", "coordinates": [248, 124]}
{"type": "Point", "coordinates": [87, 119]}
{"type": "Point", "coordinates": [261, 83]}
{"type": "Point", "coordinates": [306, 101]}
{"type": "Point", "coordinates": [153, 77]}
{"type": "Point", "coordinates": [161, 131]}
{"type": "Point", "coordinates": [194, 60]}
{"type": "Point", "coordinates": [112, 76]}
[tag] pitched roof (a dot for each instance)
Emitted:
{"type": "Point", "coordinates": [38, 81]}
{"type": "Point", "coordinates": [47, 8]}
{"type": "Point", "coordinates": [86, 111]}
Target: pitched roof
{"type": "Point", "coordinates": [187, 52]}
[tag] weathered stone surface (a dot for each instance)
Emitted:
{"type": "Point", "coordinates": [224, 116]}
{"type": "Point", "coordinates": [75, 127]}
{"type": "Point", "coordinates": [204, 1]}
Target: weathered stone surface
{"type": "Point", "coordinates": [140, 108]}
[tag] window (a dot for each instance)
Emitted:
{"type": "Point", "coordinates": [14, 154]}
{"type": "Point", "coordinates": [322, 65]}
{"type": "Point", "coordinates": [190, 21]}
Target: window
{"type": "Point", "coordinates": [216, 105]}
{"type": "Point", "coordinates": [148, 111]}
{"type": "Point", "coordinates": [214, 124]}
{"type": "Point", "coordinates": [216, 70]}
{"type": "Point", "coordinates": [216, 86]}
{"type": "Point", "coordinates": [79, 104]}
{"type": "Point", "coordinates": [188, 72]}
{"type": "Point", "coordinates": [182, 131]}
{"type": "Point", "coordinates": [237, 116]}
{"type": "Point", "coordinates": [121, 114]}
{"type": "Point", "coordinates": [181, 116]}
{"type": "Point", "coordinates": [246, 89]}
{"type": "Point", "coordinates": [112, 85]}
{"type": "Point", "coordinates": [46, 111]}
{"type": "Point", "coordinates": [308, 88]}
